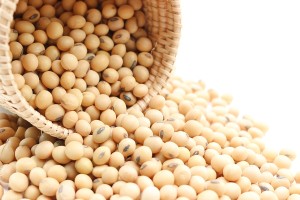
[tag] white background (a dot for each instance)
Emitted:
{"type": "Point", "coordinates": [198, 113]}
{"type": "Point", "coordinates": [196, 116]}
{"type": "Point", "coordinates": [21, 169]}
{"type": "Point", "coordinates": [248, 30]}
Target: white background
{"type": "Point", "coordinates": [250, 49]}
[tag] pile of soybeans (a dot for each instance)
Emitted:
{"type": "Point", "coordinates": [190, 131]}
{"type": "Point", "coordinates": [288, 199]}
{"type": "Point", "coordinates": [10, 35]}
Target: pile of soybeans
{"type": "Point", "coordinates": [83, 64]}
{"type": "Point", "coordinates": [189, 144]}
{"type": "Point", "coordinates": [70, 57]}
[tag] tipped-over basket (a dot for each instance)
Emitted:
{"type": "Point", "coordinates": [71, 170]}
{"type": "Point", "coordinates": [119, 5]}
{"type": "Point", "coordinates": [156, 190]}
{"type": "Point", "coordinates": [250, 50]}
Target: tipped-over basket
{"type": "Point", "coordinates": [163, 26]}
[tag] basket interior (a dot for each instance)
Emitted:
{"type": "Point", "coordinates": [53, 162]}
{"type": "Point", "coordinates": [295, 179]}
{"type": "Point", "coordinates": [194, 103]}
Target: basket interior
{"type": "Point", "coordinates": [163, 28]}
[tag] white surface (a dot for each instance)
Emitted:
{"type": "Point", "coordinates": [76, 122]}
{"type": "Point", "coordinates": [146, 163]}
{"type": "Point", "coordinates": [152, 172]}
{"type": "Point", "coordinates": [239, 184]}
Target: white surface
{"type": "Point", "coordinates": [251, 50]}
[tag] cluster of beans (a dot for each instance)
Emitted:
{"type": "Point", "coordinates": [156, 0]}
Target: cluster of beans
{"type": "Point", "coordinates": [189, 144]}
{"type": "Point", "coordinates": [74, 60]}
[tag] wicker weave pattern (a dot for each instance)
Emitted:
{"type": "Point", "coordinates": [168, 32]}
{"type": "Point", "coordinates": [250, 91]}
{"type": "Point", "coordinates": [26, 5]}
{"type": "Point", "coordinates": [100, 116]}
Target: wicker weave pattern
{"type": "Point", "coordinates": [163, 25]}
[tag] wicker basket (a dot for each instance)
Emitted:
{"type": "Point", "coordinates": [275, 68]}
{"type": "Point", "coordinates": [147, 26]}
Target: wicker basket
{"type": "Point", "coordinates": [163, 26]}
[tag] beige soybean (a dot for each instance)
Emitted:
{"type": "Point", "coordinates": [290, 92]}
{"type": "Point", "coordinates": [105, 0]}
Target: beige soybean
{"type": "Point", "coordinates": [83, 127]}
{"type": "Point", "coordinates": [69, 62]}
{"type": "Point", "coordinates": [115, 23]}
{"type": "Point", "coordinates": [130, 123]}
{"type": "Point", "coordinates": [65, 192]}
{"type": "Point", "coordinates": [57, 93]}
{"type": "Point", "coordinates": [128, 83]}
{"type": "Point", "coordinates": [57, 172]}
{"type": "Point", "coordinates": [92, 78]}
{"type": "Point", "coordinates": [207, 194]}
{"type": "Point", "coordinates": [44, 150]}
{"type": "Point", "coordinates": [141, 74]}
{"type": "Point", "coordinates": [36, 49]}
{"type": "Point", "coordinates": [128, 173]}
{"type": "Point", "coordinates": [78, 36]}
{"type": "Point", "coordinates": [145, 59]}
{"type": "Point", "coordinates": [79, 50]}
{"type": "Point", "coordinates": [54, 112]}
{"type": "Point", "coordinates": [10, 194]}
{"type": "Point", "coordinates": [101, 155]}
{"type": "Point", "coordinates": [83, 181]}
{"type": "Point", "coordinates": [31, 15]}
{"type": "Point", "coordinates": [130, 190]}
{"type": "Point", "coordinates": [20, 81]}
{"type": "Point", "coordinates": [109, 10]}
{"type": "Point", "coordinates": [142, 154]}
{"type": "Point", "coordinates": [130, 59]}
{"type": "Point", "coordinates": [44, 99]}
{"type": "Point", "coordinates": [22, 152]}
{"type": "Point", "coordinates": [52, 52]}
{"type": "Point", "coordinates": [140, 90]}
{"type": "Point", "coordinates": [119, 133]}
{"type": "Point", "coordinates": [77, 93]}
{"type": "Point", "coordinates": [125, 11]}
{"type": "Point", "coordinates": [116, 160]}
{"type": "Point", "coordinates": [76, 22]}
{"type": "Point", "coordinates": [101, 30]}
{"type": "Point", "coordinates": [130, 44]}
{"type": "Point", "coordinates": [16, 49]}
{"type": "Point", "coordinates": [57, 68]}
{"type": "Point", "coordinates": [93, 112]}
{"type": "Point", "coordinates": [17, 67]}
{"type": "Point", "coordinates": [119, 49]}
{"type": "Point", "coordinates": [232, 172]}
{"type": "Point", "coordinates": [74, 150]}
{"type": "Point", "coordinates": [105, 190]}
{"type": "Point", "coordinates": [26, 39]}
{"type": "Point", "coordinates": [92, 42]}
{"type": "Point", "coordinates": [94, 16]}
{"type": "Point", "coordinates": [69, 101]}
{"type": "Point", "coordinates": [88, 99]}
{"type": "Point", "coordinates": [50, 79]}
{"type": "Point", "coordinates": [121, 36]}
{"type": "Point", "coordinates": [163, 178]}
{"type": "Point", "coordinates": [24, 27]}
{"type": "Point", "coordinates": [65, 43]}
{"type": "Point", "coordinates": [99, 63]}
{"type": "Point", "coordinates": [110, 75]}
{"type": "Point", "coordinates": [84, 165]}
{"type": "Point", "coordinates": [31, 79]}
{"type": "Point", "coordinates": [25, 165]}
{"type": "Point", "coordinates": [170, 150]}
{"type": "Point", "coordinates": [13, 35]}
{"type": "Point", "coordinates": [142, 133]}
{"type": "Point", "coordinates": [102, 102]}
{"type": "Point", "coordinates": [48, 186]}
{"type": "Point", "coordinates": [70, 119]}
{"type": "Point", "coordinates": [32, 192]}
{"type": "Point", "coordinates": [110, 175]}
{"type": "Point", "coordinates": [58, 155]}
{"type": "Point", "coordinates": [30, 62]}
{"type": "Point", "coordinates": [127, 146]}
{"type": "Point", "coordinates": [144, 44]}
{"type": "Point", "coordinates": [18, 182]}
{"type": "Point", "coordinates": [150, 192]}
{"type": "Point", "coordinates": [119, 107]}
{"type": "Point", "coordinates": [102, 134]}
{"type": "Point", "coordinates": [155, 143]}
{"type": "Point", "coordinates": [104, 88]}
{"type": "Point", "coordinates": [88, 28]}
{"type": "Point", "coordinates": [54, 30]}
{"type": "Point", "coordinates": [80, 84]}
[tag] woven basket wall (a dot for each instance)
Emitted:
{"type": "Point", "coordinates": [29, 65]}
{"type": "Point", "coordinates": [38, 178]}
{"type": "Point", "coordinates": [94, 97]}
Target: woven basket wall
{"type": "Point", "coordinates": [163, 26]}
